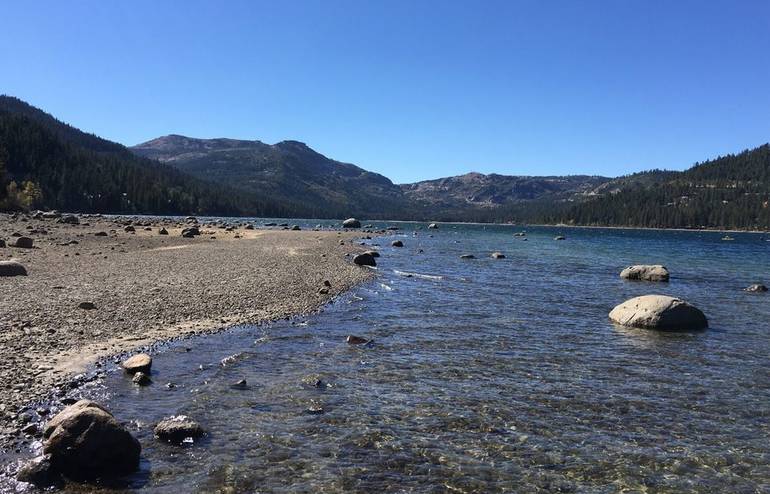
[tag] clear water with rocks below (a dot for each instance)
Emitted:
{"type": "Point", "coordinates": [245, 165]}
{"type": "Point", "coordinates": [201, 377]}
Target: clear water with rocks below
{"type": "Point", "coordinates": [484, 376]}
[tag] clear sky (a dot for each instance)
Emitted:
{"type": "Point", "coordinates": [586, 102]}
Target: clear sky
{"type": "Point", "coordinates": [413, 89]}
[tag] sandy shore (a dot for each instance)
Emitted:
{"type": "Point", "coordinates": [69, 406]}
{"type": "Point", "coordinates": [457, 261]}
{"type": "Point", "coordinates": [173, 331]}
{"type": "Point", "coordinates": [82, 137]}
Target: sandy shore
{"type": "Point", "coordinates": [146, 287]}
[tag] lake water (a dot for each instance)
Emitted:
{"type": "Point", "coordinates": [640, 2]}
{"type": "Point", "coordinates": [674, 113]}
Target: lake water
{"type": "Point", "coordinates": [484, 376]}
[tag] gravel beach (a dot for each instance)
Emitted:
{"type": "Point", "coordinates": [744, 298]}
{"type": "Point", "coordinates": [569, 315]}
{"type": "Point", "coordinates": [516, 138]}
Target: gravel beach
{"type": "Point", "coordinates": [94, 289]}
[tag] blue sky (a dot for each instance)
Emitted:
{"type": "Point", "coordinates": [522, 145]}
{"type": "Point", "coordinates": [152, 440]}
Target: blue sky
{"type": "Point", "coordinates": [413, 89]}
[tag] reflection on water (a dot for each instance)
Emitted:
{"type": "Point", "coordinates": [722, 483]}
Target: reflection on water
{"type": "Point", "coordinates": [484, 376]}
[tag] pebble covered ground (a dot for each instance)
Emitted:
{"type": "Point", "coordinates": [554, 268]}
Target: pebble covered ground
{"type": "Point", "coordinates": [94, 289]}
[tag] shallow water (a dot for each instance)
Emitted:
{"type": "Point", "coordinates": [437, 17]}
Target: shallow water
{"type": "Point", "coordinates": [483, 376]}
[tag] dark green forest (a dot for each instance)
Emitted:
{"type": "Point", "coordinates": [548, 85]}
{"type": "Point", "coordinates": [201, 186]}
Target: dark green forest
{"type": "Point", "coordinates": [729, 192]}
{"type": "Point", "coordinates": [45, 163]}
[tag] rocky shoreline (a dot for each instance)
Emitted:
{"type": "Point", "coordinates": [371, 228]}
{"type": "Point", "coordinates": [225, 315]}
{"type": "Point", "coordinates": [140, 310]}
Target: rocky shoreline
{"type": "Point", "coordinates": [99, 287]}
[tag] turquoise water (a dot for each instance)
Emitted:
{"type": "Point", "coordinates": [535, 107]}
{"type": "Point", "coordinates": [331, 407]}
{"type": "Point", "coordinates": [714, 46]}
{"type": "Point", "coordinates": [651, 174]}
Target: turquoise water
{"type": "Point", "coordinates": [483, 376]}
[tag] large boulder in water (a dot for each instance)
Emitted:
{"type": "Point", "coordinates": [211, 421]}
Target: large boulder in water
{"type": "Point", "coordinates": [85, 441]}
{"type": "Point", "coordinates": [12, 268]}
{"type": "Point", "coordinates": [351, 223]}
{"type": "Point", "coordinates": [138, 363]}
{"type": "Point", "coordinates": [659, 312]}
{"type": "Point", "coordinates": [645, 272]}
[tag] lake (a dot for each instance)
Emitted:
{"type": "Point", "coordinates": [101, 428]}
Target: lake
{"type": "Point", "coordinates": [483, 375]}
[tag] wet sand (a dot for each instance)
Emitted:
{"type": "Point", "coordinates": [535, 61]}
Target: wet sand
{"type": "Point", "coordinates": [146, 287]}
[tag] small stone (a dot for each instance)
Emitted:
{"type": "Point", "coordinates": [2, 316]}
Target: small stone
{"type": "Point", "coordinates": [141, 379]}
{"type": "Point", "coordinates": [397, 243]}
{"type": "Point", "coordinates": [87, 305]}
{"type": "Point", "coordinates": [129, 229]}
{"type": "Point", "coordinates": [315, 410]}
{"type": "Point", "coordinates": [24, 243]}
{"type": "Point", "coordinates": [12, 268]}
{"type": "Point", "coordinates": [162, 231]}
{"type": "Point", "coordinates": [100, 234]}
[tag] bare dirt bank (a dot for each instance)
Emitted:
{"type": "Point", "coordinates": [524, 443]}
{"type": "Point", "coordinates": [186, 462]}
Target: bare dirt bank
{"type": "Point", "coordinates": [146, 287]}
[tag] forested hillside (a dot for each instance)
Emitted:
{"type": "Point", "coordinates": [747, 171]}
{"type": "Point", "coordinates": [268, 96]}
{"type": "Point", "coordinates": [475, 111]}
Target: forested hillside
{"type": "Point", "coordinates": [728, 192]}
{"type": "Point", "coordinates": [288, 171]}
{"type": "Point", "coordinates": [46, 163]}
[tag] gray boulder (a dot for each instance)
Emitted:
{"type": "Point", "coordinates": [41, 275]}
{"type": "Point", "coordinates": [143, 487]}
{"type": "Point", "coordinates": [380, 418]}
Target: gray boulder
{"type": "Point", "coordinates": [12, 268]}
{"type": "Point", "coordinates": [659, 312]}
{"type": "Point", "coordinates": [138, 363]}
{"type": "Point", "coordinates": [69, 219]}
{"type": "Point", "coordinates": [351, 223]}
{"type": "Point", "coordinates": [645, 272]}
{"type": "Point", "coordinates": [85, 441]}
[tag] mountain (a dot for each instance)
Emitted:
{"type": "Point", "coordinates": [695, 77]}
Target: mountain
{"type": "Point", "coordinates": [289, 171]}
{"type": "Point", "coordinates": [47, 163]}
{"type": "Point", "coordinates": [729, 192]}
{"type": "Point", "coordinates": [493, 197]}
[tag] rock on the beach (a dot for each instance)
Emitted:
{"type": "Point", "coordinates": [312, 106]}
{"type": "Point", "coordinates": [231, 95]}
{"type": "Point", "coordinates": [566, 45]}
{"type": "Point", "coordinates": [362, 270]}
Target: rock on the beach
{"type": "Point", "coordinates": [645, 272]}
{"type": "Point", "coordinates": [296, 228]}
{"type": "Point", "coordinates": [85, 441]}
{"type": "Point", "coordinates": [397, 243]}
{"type": "Point", "coordinates": [351, 223]}
{"type": "Point", "coordinates": [141, 379]}
{"type": "Point", "coordinates": [129, 229]}
{"type": "Point", "coordinates": [177, 429]}
{"type": "Point", "coordinates": [24, 243]}
{"type": "Point", "coordinates": [2, 243]}
{"type": "Point", "coordinates": [138, 363]}
{"type": "Point", "coordinates": [162, 231]}
{"type": "Point", "coordinates": [498, 255]}
{"type": "Point", "coordinates": [38, 471]}
{"type": "Point", "coordinates": [372, 253]}
{"type": "Point", "coordinates": [87, 305]}
{"type": "Point", "coordinates": [364, 259]}
{"type": "Point", "coordinates": [659, 312]}
{"type": "Point", "coordinates": [190, 232]}
{"type": "Point", "coordinates": [12, 268]}
{"type": "Point", "coordinates": [100, 234]}
{"type": "Point", "coordinates": [756, 287]}
{"type": "Point", "coordinates": [69, 219]}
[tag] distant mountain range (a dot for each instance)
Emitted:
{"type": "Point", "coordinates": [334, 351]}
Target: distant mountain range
{"type": "Point", "coordinates": [175, 174]}
{"type": "Point", "coordinates": [289, 172]}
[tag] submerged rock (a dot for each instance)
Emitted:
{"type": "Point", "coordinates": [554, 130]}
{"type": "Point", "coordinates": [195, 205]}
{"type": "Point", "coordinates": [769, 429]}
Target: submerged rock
{"type": "Point", "coordinates": [397, 243]}
{"type": "Point", "coordinates": [176, 429]}
{"type": "Point", "coordinates": [756, 288]}
{"type": "Point", "coordinates": [433, 226]}
{"type": "Point", "coordinates": [138, 363]}
{"type": "Point", "coordinates": [645, 272]}
{"type": "Point", "coordinates": [356, 340]}
{"type": "Point", "coordinates": [85, 441]}
{"type": "Point", "coordinates": [498, 255]}
{"type": "Point", "coordinates": [467, 256]}
{"type": "Point", "coordinates": [351, 223]}
{"type": "Point", "coordinates": [12, 268]}
{"type": "Point", "coordinates": [560, 237]}
{"type": "Point", "coordinates": [239, 384]}
{"type": "Point", "coordinates": [141, 379]}
{"type": "Point", "coordinates": [659, 312]}
{"type": "Point", "coordinates": [38, 471]}
{"type": "Point", "coordinates": [364, 259]}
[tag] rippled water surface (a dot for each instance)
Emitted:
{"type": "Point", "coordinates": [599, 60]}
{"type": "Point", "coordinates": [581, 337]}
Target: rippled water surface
{"type": "Point", "coordinates": [489, 376]}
